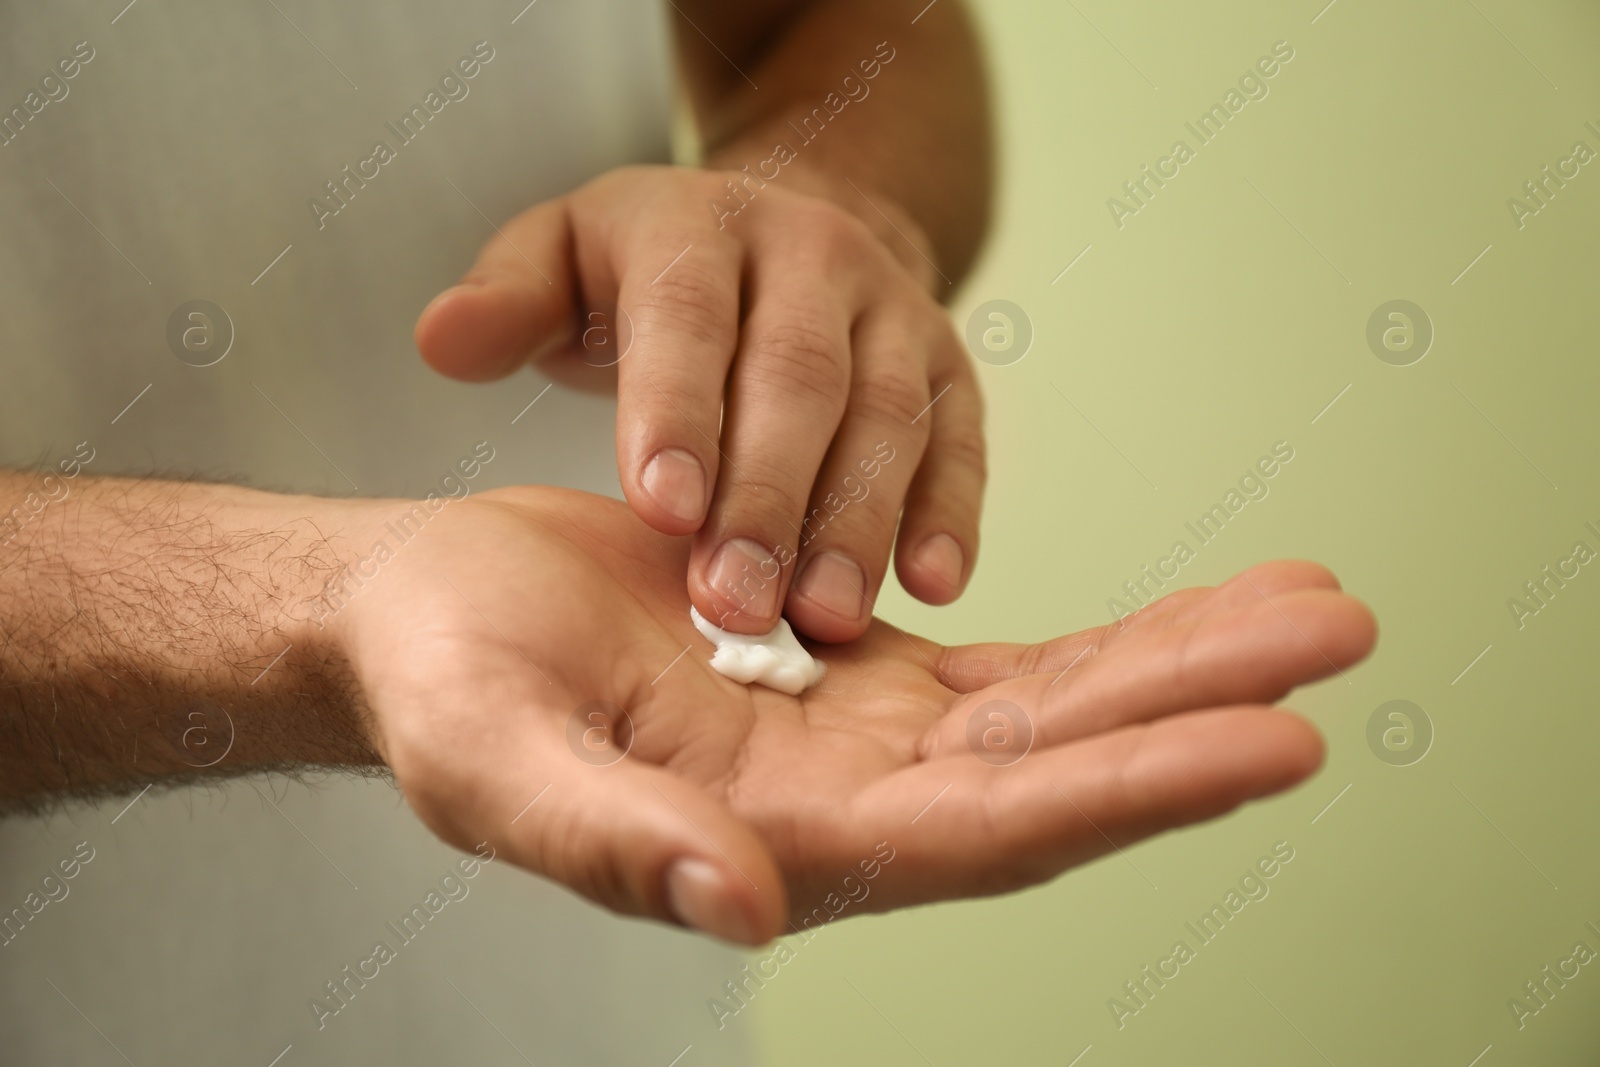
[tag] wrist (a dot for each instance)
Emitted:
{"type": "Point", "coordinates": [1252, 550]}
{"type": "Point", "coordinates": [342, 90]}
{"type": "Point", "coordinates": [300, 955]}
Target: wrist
{"type": "Point", "coordinates": [318, 559]}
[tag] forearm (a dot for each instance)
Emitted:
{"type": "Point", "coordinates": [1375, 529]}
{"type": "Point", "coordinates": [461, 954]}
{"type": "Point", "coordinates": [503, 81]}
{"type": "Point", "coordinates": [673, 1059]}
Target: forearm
{"type": "Point", "coordinates": [149, 627]}
{"type": "Point", "coordinates": [914, 139]}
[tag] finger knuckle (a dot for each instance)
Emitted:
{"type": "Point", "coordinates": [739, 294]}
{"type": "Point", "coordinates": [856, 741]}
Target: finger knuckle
{"type": "Point", "coordinates": [567, 852]}
{"type": "Point", "coordinates": [688, 302]}
{"type": "Point", "coordinates": [770, 496]}
{"type": "Point", "coordinates": [671, 399]}
{"type": "Point", "coordinates": [800, 360]}
{"type": "Point", "coordinates": [894, 399]}
{"type": "Point", "coordinates": [837, 236]}
{"type": "Point", "coordinates": [966, 450]}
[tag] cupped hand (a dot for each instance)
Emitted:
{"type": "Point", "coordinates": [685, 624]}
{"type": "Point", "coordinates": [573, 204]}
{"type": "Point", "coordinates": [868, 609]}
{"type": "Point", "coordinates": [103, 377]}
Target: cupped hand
{"type": "Point", "coordinates": [787, 389]}
{"type": "Point", "coordinates": [534, 682]}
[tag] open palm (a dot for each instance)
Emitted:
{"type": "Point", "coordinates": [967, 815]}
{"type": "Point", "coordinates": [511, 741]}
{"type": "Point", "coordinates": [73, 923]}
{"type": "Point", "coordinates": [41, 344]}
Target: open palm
{"type": "Point", "coordinates": [535, 683]}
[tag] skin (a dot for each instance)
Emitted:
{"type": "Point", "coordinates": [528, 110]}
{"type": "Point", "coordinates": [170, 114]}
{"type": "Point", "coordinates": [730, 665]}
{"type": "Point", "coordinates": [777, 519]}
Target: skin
{"type": "Point", "coordinates": [769, 350]}
{"type": "Point", "coordinates": [777, 352]}
{"type": "Point", "coordinates": [466, 666]}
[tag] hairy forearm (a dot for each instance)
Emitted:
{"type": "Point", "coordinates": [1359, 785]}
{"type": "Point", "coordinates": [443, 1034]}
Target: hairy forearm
{"type": "Point", "coordinates": [153, 629]}
{"type": "Point", "coordinates": [915, 140]}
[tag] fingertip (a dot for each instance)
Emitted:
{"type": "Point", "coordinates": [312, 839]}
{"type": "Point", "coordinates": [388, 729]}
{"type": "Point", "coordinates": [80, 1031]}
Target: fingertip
{"type": "Point", "coordinates": [935, 571]}
{"type": "Point", "coordinates": [1302, 751]}
{"type": "Point", "coordinates": [740, 586]}
{"type": "Point", "coordinates": [704, 896]}
{"type": "Point", "coordinates": [643, 841]}
{"type": "Point", "coordinates": [1274, 748]}
{"type": "Point", "coordinates": [445, 296]}
{"type": "Point", "coordinates": [1363, 628]}
{"type": "Point", "coordinates": [669, 492]}
{"type": "Point", "coordinates": [817, 625]}
{"type": "Point", "coordinates": [829, 599]}
{"type": "Point", "coordinates": [477, 331]}
{"type": "Point", "coordinates": [426, 331]}
{"type": "Point", "coordinates": [727, 613]}
{"type": "Point", "coordinates": [1282, 575]}
{"type": "Point", "coordinates": [1340, 629]}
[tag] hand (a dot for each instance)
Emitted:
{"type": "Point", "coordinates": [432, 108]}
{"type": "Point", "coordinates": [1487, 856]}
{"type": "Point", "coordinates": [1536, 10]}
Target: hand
{"type": "Point", "coordinates": [822, 342]}
{"type": "Point", "coordinates": [737, 809]}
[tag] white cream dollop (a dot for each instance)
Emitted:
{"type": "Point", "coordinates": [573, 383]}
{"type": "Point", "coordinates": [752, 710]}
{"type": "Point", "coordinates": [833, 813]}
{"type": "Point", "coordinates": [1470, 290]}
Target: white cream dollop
{"type": "Point", "coordinates": [775, 660]}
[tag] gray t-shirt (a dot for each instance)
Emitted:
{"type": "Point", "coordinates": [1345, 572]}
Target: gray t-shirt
{"type": "Point", "coordinates": [165, 160]}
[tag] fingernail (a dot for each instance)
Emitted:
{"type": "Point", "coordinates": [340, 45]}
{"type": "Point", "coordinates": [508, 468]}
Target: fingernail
{"type": "Point", "coordinates": [699, 897]}
{"type": "Point", "coordinates": [676, 481]}
{"type": "Point", "coordinates": [745, 575]}
{"type": "Point", "coordinates": [941, 556]}
{"type": "Point", "coordinates": [834, 584]}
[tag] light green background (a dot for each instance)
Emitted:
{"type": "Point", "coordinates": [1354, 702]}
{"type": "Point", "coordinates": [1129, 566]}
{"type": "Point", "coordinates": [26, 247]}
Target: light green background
{"type": "Point", "coordinates": [1211, 326]}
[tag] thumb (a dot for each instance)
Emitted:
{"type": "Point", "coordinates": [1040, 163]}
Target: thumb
{"type": "Point", "coordinates": [515, 303]}
{"type": "Point", "coordinates": [628, 835]}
